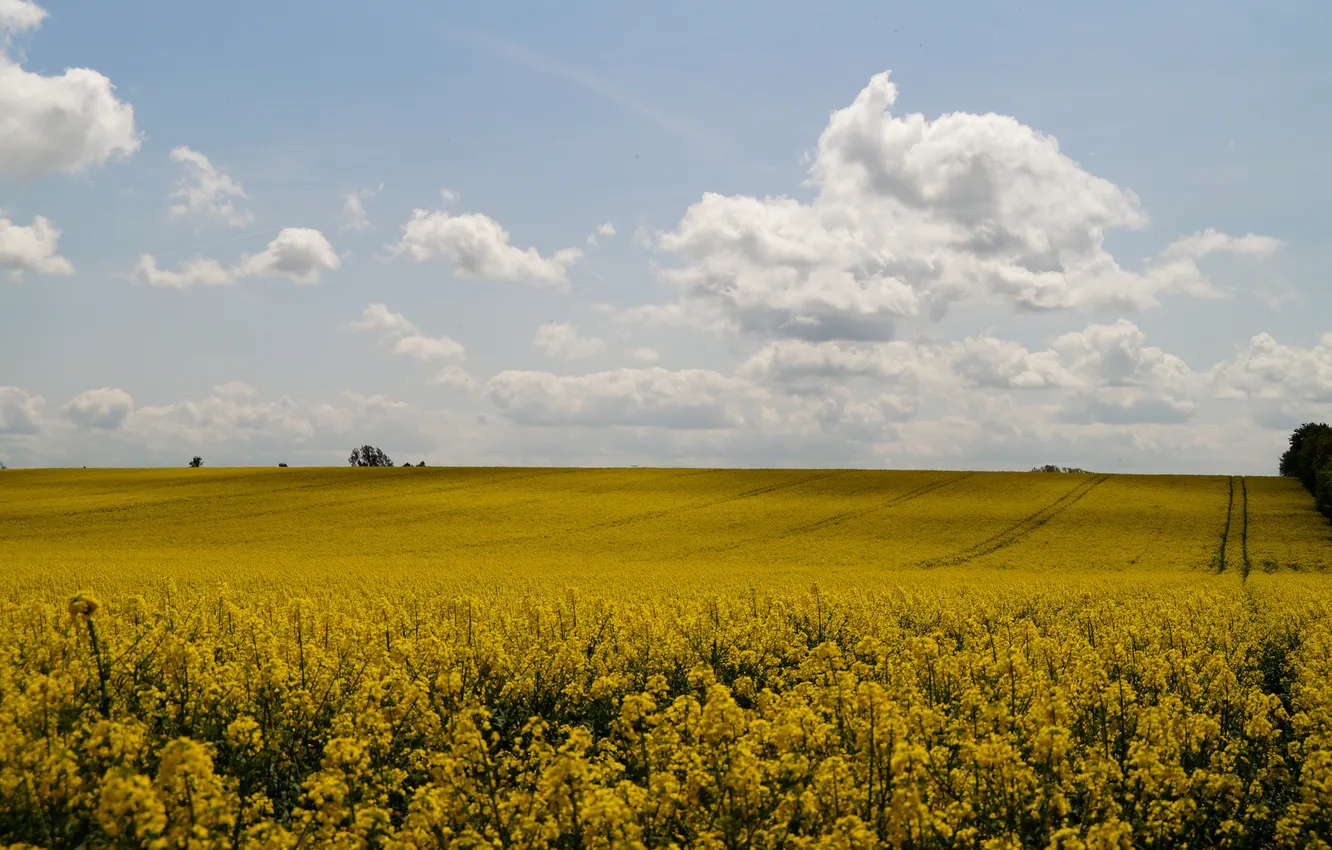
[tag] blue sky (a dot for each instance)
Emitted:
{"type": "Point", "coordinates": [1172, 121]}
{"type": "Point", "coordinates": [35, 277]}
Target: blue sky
{"type": "Point", "coordinates": [801, 273]}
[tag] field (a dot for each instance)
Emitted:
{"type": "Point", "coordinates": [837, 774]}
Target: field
{"type": "Point", "coordinates": [643, 658]}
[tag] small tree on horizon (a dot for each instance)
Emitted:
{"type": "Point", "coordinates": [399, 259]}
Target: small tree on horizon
{"type": "Point", "coordinates": [196, 463]}
{"type": "Point", "coordinates": [368, 455]}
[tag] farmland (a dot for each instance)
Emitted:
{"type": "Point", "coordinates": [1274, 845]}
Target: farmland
{"type": "Point", "coordinates": [640, 658]}
{"type": "Point", "coordinates": [464, 530]}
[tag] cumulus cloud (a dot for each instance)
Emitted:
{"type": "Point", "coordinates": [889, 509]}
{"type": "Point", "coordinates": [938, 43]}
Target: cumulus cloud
{"type": "Point", "coordinates": [64, 123]}
{"type": "Point", "coordinates": [104, 408]}
{"type": "Point", "coordinates": [297, 253]}
{"type": "Point", "coordinates": [1284, 384]}
{"type": "Point", "coordinates": [989, 362]}
{"type": "Point", "coordinates": [354, 216]}
{"type": "Point", "coordinates": [206, 192]}
{"type": "Point", "coordinates": [645, 355]}
{"type": "Point", "coordinates": [605, 230]}
{"type": "Point", "coordinates": [912, 215]}
{"type": "Point", "coordinates": [194, 272]}
{"type": "Point", "coordinates": [406, 340]}
{"type": "Point", "coordinates": [427, 348]}
{"type": "Point", "coordinates": [31, 248]}
{"type": "Point", "coordinates": [378, 317]}
{"type": "Point", "coordinates": [238, 389]}
{"type": "Point", "coordinates": [480, 248]}
{"type": "Point", "coordinates": [20, 15]}
{"type": "Point", "coordinates": [1101, 373]}
{"type": "Point", "coordinates": [453, 376]}
{"type": "Point", "coordinates": [20, 413]}
{"type": "Point", "coordinates": [800, 364]}
{"type": "Point", "coordinates": [561, 341]}
{"type": "Point", "coordinates": [690, 398]}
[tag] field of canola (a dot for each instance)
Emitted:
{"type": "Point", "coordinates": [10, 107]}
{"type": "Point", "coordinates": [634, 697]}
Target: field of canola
{"type": "Point", "coordinates": [652, 658]}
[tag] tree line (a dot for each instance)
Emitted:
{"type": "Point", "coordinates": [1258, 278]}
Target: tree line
{"type": "Point", "coordinates": [1309, 459]}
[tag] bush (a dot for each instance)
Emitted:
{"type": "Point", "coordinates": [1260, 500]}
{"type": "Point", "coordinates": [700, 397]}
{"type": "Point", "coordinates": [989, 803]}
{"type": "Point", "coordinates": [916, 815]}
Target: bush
{"type": "Point", "coordinates": [422, 463]}
{"type": "Point", "coordinates": [1050, 467]}
{"type": "Point", "coordinates": [196, 462]}
{"type": "Point", "coordinates": [282, 465]}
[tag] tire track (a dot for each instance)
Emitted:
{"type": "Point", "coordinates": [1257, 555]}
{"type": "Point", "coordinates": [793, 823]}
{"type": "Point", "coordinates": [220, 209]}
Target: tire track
{"type": "Point", "coordinates": [1021, 529]}
{"type": "Point", "coordinates": [908, 496]}
{"type": "Point", "coordinates": [838, 518]}
{"type": "Point", "coordinates": [746, 494]}
{"type": "Point", "coordinates": [658, 514]}
{"type": "Point", "coordinates": [1244, 529]}
{"type": "Point", "coordinates": [1225, 530]}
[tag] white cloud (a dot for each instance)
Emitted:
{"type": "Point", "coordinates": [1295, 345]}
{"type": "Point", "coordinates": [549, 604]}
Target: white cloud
{"type": "Point", "coordinates": [690, 398]}
{"type": "Point", "coordinates": [1126, 380]}
{"type": "Point", "coordinates": [20, 15]}
{"type": "Point", "coordinates": [20, 413]}
{"type": "Point", "coordinates": [104, 408]}
{"type": "Point", "coordinates": [405, 339]}
{"type": "Point", "coordinates": [453, 376]}
{"type": "Point", "coordinates": [645, 355]}
{"type": "Point", "coordinates": [205, 191]}
{"type": "Point", "coordinates": [193, 272]}
{"type": "Point", "coordinates": [31, 248]}
{"type": "Point", "coordinates": [480, 248]}
{"type": "Point", "coordinates": [64, 123]}
{"type": "Point", "coordinates": [913, 215]}
{"type": "Point", "coordinates": [604, 230]}
{"type": "Point", "coordinates": [298, 253]}
{"type": "Point", "coordinates": [1210, 241]}
{"type": "Point", "coordinates": [237, 389]}
{"type": "Point", "coordinates": [561, 341]}
{"type": "Point", "coordinates": [1284, 384]}
{"type": "Point", "coordinates": [426, 348]}
{"type": "Point", "coordinates": [816, 366]}
{"type": "Point", "coordinates": [989, 362]}
{"type": "Point", "coordinates": [353, 209]}
{"type": "Point", "coordinates": [378, 317]}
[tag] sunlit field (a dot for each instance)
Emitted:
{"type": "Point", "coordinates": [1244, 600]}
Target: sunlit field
{"type": "Point", "coordinates": [414, 657]}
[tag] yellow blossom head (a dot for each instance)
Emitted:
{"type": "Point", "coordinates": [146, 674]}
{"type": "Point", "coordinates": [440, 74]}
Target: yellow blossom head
{"type": "Point", "coordinates": [83, 605]}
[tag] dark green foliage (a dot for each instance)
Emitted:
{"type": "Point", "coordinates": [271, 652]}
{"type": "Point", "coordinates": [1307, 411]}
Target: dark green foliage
{"type": "Point", "coordinates": [1050, 467]}
{"type": "Point", "coordinates": [196, 462]}
{"type": "Point", "coordinates": [1309, 459]}
{"type": "Point", "coordinates": [422, 463]}
{"type": "Point", "coordinates": [369, 456]}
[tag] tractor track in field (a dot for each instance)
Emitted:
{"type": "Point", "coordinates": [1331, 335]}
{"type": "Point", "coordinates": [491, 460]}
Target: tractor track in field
{"type": "Point", "coordinates": [838, 518]}
{"type": "Point", "coordinates": [1020, 529]}
{"type": "Point", "coordinates": [1226, 550]}
{"type": "Point", "coordinates": [694, 506]}
{"type": "Point", "coordinates": [648, 516]}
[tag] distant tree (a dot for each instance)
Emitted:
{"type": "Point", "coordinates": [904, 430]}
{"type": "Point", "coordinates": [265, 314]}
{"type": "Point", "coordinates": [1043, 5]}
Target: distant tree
{"type": "Point", "coordinates": [196, 463]}
{"type": "Point", "coordinates": [1309, 459]}
{"type": "Point", "coordinates": [282, 465]}
{"type": "Point", "coordinates": [1050, 467]}
{"type": "Point", "coordinates": [422, 463]}
{"type": "Point", "coordinates": [368, 455]}
{"type": "Point", "coordinates": [2, 465]}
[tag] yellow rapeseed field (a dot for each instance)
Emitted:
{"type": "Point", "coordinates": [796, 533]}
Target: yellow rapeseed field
{"type": "Point", "coordinates": [558, 658]}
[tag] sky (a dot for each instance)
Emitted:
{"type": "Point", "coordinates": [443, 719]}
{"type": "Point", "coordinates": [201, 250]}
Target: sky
{"type": "Point", "coordinates": [956, 235]}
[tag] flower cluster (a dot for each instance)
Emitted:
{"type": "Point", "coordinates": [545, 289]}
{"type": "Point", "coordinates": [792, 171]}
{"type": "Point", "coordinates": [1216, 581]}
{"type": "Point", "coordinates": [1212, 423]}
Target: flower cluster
{"type": "Point", "coordinates": [1189, 711]}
